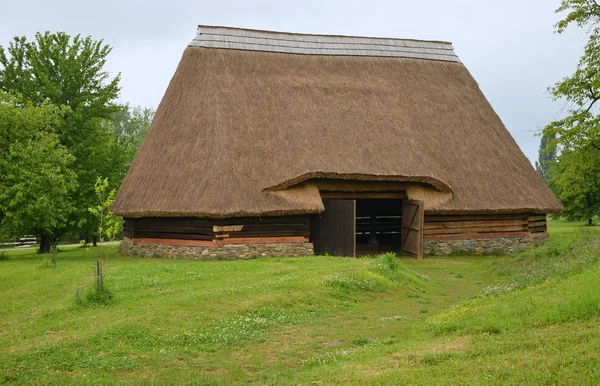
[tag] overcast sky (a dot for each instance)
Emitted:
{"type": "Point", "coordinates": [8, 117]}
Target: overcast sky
{"type": "Point", "coordinates": [509, 46]}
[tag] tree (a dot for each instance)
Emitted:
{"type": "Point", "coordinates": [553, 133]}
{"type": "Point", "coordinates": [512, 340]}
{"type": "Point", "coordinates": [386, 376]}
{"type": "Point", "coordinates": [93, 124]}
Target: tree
{"type": "Point", "coordinates": [575, 180]}
{"type": "Point", "coordinates": [36, 180]}
{"type": "Point", "coordinates": [109, 224]}
{"type": "Point", "coordinates": [575, 139]}
{"type": "Point", "coordinates": [546, 156]}
{"type": "Point", "coordinates": [69, 71]}
{"type": "Point", "coordinates": [128, 126]}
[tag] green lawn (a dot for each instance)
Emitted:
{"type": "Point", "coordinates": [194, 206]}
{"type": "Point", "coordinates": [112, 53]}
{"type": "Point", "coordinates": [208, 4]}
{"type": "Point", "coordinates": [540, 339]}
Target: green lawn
{"type": "Point", "coordinates": [525, 319]}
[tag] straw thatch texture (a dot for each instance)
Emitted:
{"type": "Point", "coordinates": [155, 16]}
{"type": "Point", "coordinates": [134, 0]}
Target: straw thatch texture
{"type": "Point", "coordinates": [244, 133]}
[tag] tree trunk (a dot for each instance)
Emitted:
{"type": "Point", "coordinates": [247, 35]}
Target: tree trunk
{"type": "Point", "coordinates": [45, 243]}
{"type": "Point", "coordinates": [590, 222]}
{"type": "Point", "coordinates": [94, 241]}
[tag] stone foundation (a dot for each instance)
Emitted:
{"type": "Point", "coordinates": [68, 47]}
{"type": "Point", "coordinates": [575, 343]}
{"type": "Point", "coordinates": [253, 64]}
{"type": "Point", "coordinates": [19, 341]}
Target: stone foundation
{"type": "Point", "coordinates": [481, 246]}
{"type": "Point", "coordinates": [225, 252]}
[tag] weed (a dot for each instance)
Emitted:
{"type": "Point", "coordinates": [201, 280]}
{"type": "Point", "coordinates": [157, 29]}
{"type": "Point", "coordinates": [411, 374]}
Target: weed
{"type": "Point", "coordinates": [92, 296]}
{"type": "Point", "coordinates": [49, 260]}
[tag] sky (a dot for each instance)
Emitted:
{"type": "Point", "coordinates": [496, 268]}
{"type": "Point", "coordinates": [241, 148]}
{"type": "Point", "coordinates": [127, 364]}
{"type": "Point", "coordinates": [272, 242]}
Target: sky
{"type": "Point", "coordinates": [509, 46]}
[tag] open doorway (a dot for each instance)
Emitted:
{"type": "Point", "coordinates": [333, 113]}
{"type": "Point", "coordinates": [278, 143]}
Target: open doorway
{"type": "Point", "coordinates": [354, 225]}
{"type": "Point", "coordinates": [378, 226]}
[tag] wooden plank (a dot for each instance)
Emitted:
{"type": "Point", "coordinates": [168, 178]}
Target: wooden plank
{"type": "Point", "coordinates": [193, 243]}
{"type": "Point", "coordinates": [537, 218]}
{"type": "Point", "coordinates": [333, 231]}
{"type": "Point", "coordinates": [227, 228]}
{"type": "Point", "coordinates": [480, 217]}
{"type": "Point", "coordinates": [538, 229]}
{"type": "Point", "coordinates": [535, 224]}
{"type": "Point", "coordinates": [467, 236]}
{"type": "Point", "coordinates": [265, 240]}
{"type": "Point", "coordinates": [359, 195]}
{"type": "Point", "coordinates": [474, 224]}
{"type": "Point", "coordinates": [412, 227]}
{"type": "Point", "coordinates": [264, 220]}
{"type": "Point", "coordinates": [482, 229]}
{"type": "Point", "coordinates": [279, 233]}
{"type": "Point", "coordinates": [168, 229]}
{"type": "Point", "coordinates": [165, 235]}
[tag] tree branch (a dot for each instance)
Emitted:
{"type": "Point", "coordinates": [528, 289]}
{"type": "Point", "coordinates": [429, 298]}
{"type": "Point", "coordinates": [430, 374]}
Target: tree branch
{"type": "Point", "coordinates": [594, 145]}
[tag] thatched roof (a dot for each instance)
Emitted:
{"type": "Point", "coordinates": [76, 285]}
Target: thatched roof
{"type": "Point", "coordinates": [255, 123]}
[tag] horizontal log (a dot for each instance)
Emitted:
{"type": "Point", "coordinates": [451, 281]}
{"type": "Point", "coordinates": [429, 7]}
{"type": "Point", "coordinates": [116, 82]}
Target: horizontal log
{"type": "Point", "coordinates": [482, 229]}
{"type": "Point", "coordinates": [260, 227]}
{"type": "Point", "coordinates": [468, 236]}
{"type": "Point", "coordinates": [271, 233]}
{"type": "Point", "coordinates": [266, 240]}
{"type": "Point", "coordinates": [171, 229]}
{"type": "Point", "coordinates": [227, 228]}
{"type": "Point", "coordinates": [167, 221]}
{"type": "Point", "coordinates": [538, 229]}
{"type": "Point", "coordinates": [473, 224]}
{"type": "Point", "coordinates": [476, 217]}
{"type": "Point", "coordinates": [167, 235]}
{"type": "Point", "coordinates": [192, 243]}
{"type": "Point", "coordinates": [537, 218]}
{"type": "Point", "coordinates": [535, 224]}
{"type": "Point", "coordinates": [264, 220]}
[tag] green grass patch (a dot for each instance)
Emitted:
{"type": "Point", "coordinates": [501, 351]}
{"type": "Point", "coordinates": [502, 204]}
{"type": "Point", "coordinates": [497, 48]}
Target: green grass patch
{"type": "Point", "coordinates": [461, 319]}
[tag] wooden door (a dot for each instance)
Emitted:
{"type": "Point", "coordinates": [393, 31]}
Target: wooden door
{"type": "Point", "coordinates": [333, 231]}
{"type": "Point", "coordinates": [412, 227]}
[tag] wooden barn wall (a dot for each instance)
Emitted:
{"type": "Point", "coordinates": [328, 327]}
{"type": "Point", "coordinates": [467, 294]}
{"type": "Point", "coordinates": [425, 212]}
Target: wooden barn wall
{"type": "Point", "coordinates": [464, 227]}
{"type": "Point", "coordinates": [213, 232]}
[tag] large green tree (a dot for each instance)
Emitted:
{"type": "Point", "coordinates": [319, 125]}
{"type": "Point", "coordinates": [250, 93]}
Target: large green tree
{"type": "Point", "coordinates": [575, 139]}
{"type": "Point", "coordinates": [69, 71]}
{"type": "Point", "coordinates": [36, 180]}
{"type": "Point", "coordinates": [128, 126]}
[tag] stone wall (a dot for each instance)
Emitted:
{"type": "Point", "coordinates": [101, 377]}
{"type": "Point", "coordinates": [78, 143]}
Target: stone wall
{"type": "Point", "coordinates": [481, 246]}
{"type": "Point", "coordinates": [225, 252]}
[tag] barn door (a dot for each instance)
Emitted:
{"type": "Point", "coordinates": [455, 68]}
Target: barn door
{"type": "Point", "coordinates": [333, 231]}
{"type": "Point", "coordinates": [412, 227]}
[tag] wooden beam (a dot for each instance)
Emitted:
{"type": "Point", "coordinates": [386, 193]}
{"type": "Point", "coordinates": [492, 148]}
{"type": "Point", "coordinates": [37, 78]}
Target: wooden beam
{"type": "Point", "coordinates": [476, 217]}
{"type": "Point", "coordinates": [265, 240]}
{"type": "Point", "coordinates": [473, 224]}
{"type": "Point", "coordinates": [357, 195]}
{"type": "Point", "coordinates": [481, 229]}
{"type": "Point", "coordinates": [470, 236]}
{"type": "Point", "coordinates": [191, 243]}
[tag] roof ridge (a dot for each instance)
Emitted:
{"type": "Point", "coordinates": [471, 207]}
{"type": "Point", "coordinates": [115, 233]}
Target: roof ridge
{"type": "Point", "coordinates": [309, 44]}
{"type": "Point", "coordinates": [202, 26]}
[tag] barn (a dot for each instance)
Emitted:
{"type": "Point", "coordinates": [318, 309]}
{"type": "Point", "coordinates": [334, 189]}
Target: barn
{"type": "Point", "coordinates": [281, 144]}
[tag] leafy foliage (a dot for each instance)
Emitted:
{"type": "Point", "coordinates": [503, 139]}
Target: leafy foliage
{"type": "Point", "coordinates": [68, 71]}
{"type": "Point", "coordinates": [109, 225]}
{"type": "Point", "coordinates": [575, 139]}
{"type": "Point", "coordinates": [37, 180]}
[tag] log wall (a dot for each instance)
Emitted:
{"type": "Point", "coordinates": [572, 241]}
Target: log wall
{"type": "Point", "coordinates": [466, 227]}
{"type": "Point", "coordinates": [215, 233]}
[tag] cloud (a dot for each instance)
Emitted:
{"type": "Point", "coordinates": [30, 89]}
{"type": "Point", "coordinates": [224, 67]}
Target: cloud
{"type": "Point", "coordinates": [508, 46]}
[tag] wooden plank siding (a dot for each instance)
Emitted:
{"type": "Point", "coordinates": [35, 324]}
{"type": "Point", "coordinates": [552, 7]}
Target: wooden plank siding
{"type": "Point", "coordinates": [333, 231]}
{"type": "Point", "coordinates": [457, 227]}
{"type": "Point", "coordinates": [217, 232]}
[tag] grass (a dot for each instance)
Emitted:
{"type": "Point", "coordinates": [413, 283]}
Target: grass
{"type": "Point", "coordinates": [524, 319]}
